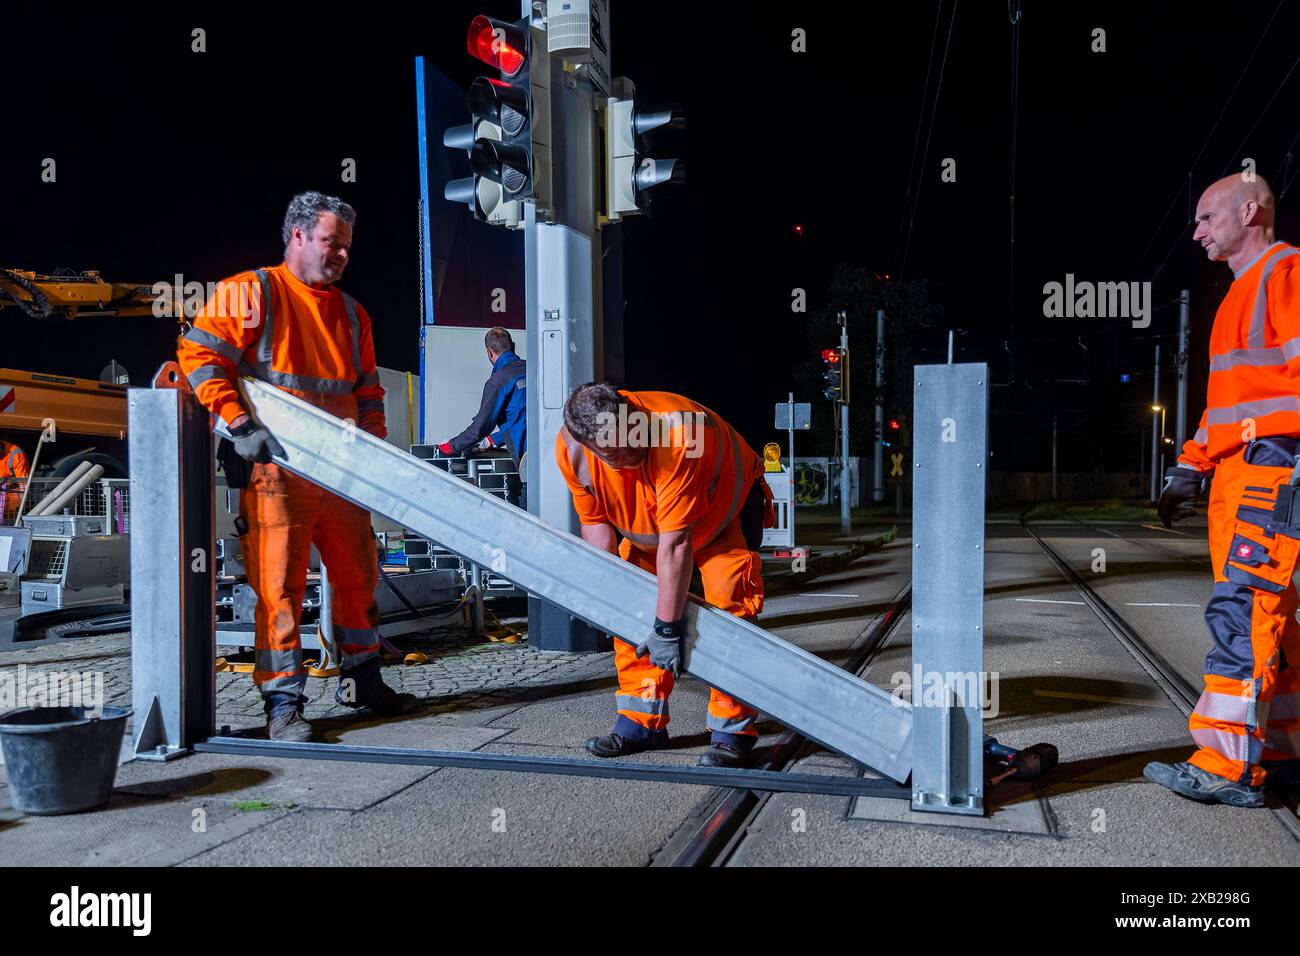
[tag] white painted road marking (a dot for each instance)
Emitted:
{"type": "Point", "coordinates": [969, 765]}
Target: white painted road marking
{"type": "Point", "coordinates": [827, 594]}
{"type": "Point", "coordinates": [1163, 605]}
{"type": "Point", "coordinates": [1046, 601]}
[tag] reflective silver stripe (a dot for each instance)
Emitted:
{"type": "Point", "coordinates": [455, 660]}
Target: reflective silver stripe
{"type": "Point", "coordinates": [206, 373]}
{"type": "Point", "coordinates": [1250, 265]}
{"type": "Point", "coordinates": [1287, 742]}
{"type": "Point", "coordinates": [296, 682]}
{"type": "Point", "coordinates": [1201, 437]}
{"type": "Point", "coordinates": [303, 383]}
{"type": "Point", "coordinates": [283, 661]}
{"type": "Point", "coordinates": [639, 705]}
{"type": "Point", "coordinates": [348, 661]}
{"type": "Point", "coordinates": [1228, 708]}
{"type": "Point", "coordinates": [356, 636]}
{"type": "Point", "coordinates": [266, 341]}
{"type": "Point", "coordinates": [729, 725]}
{"type": "Point", "coordinates": [1284, 707]}
{"type": "Point", "coordinates": [368, 380]}
{"type": "Point", "coordinates": [1233, 746]}
{"type": "Point", "coordinates": [216, 343]}
{"type": "Point", "coordinates": [1256, 337]}
{"type": "Point", "coordinates": [1232, 414]}
{"type": "Point", "coordinates": [350, 306]}
{"type": "Point", "coordinates": [1237, 357]}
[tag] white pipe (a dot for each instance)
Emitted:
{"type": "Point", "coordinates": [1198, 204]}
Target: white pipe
{"type": "Point", "coordinates": [59, 489]}
{"type": "Point", "coordinates": [64, 499]}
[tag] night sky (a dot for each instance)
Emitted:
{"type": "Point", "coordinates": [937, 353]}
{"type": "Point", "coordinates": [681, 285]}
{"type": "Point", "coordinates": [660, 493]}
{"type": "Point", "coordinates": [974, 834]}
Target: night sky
{"type": "Point", "coordinates": [170, 161]}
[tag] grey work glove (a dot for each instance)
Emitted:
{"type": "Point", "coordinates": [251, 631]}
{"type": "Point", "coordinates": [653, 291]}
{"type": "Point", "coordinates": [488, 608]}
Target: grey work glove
{"type": "Point", "coordinates": [664, 645]}
{"type": "Point", "coordinates": [254, 443]}
{"type": "Point", "coordinates": [1295, 474]}
{"type": "Point", "coordinates": [1183, 485]}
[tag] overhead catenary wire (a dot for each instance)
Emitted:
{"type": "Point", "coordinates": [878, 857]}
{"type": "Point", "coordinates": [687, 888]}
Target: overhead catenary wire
{"type": "Point", "coordinates": [938, 90]}
{"type": "Point", "coordinates": [1013, 14]}
{"type": "Point", "coordinates": [920, 121]}
{"type": "Point", "coordinates": [1210, 135]}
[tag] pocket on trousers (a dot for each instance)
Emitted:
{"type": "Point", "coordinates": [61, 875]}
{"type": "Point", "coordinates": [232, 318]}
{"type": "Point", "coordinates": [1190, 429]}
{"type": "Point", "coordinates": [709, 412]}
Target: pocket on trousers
{"type": "Point", "coordinates": [1266, 565]}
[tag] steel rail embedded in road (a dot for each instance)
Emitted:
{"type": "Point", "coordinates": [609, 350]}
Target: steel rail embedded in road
{"type": "Point", "coordinates": [716, 837]}
{"type": "Point", "coordinates": [1177, 688]}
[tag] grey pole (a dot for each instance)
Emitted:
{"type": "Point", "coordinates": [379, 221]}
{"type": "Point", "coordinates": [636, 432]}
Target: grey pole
{"type": "Point", "coordinates": [846, 521]}
{"type": "Point", "coordinates": [791, 445]}
{"type": "Point", "coordinates": [562, 316]}
{"type": "Point", "coordinates": [878, 480]}
{"type": "Point", "coordinates": [1155, 426]}
{"type": "Point", "coordinates": [1180, 420]}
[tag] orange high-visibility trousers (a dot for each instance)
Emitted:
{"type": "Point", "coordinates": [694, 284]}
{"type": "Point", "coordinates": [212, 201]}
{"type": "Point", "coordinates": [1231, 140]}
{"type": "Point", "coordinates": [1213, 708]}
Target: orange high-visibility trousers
{"type": "Point", "coordinates": [285, 516]}
{"type": "Point", "coordinates": [733, 581]}
{"type": "Point", "coordinates": [1250, 708]}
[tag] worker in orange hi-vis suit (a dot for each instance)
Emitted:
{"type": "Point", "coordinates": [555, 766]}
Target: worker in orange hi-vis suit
{"type": "Point", "coordinates": [681, 488]}
{"type": "Point", "coordinates": [290, 326]}
{"type": "Point", "coordinates": [1247, 721]}
{"type": "Point", "coordinates": [13, 464]}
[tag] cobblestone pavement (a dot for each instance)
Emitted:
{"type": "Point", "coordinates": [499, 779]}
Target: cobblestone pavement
{"type": "Point", "coordinates": [464, 673]}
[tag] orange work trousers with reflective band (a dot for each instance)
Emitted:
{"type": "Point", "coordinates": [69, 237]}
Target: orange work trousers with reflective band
{"type": "Point", "coordinates": [733, 581]}
{"type": "Point", "coordinates": [1250, 709]}
{"type": "Point", "coordinates": [286, 515]}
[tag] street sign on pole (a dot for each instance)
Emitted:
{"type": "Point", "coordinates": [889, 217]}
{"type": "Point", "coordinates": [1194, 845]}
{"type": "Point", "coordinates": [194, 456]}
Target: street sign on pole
{"type": "Point", "coordinates": [800, 418]}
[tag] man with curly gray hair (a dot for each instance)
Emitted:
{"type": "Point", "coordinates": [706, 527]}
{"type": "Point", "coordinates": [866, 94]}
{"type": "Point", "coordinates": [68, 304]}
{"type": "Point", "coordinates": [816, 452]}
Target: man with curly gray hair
{"type": "Point", "coordinates": [290, 326]}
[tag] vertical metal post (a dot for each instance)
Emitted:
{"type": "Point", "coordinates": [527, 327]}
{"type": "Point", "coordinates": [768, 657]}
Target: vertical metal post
{"type": "Point", "coordinates": [562, 308]}
{"type": "Point", "coordinates": [426, 244]}
{"type": "Point", "coordinates": [789, 516]}
{"type": "Point", "coordinates": [878, 479]}
{"type": "Point", "coordinates": [1180, 422]}
{"type": "Point", "coordinates": [950, 447]}
{"type": "Point", "coordinates": [173, 628]}
{"type": "Point", "coordinates": [846, 520]}
{"type": "Point", "coordinates": [1155, 427]}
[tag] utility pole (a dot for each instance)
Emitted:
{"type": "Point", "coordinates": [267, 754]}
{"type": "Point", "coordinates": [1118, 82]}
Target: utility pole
{"type": "Point", "coordinates": [1053, 457]}
{"type": "Point", "coordinates": [1180, 420]}
{"type": "Point", "coordinates": [878, 479]}
{"type": "Point", "coordinates": [846, 522]}
{"type": "Point", "coordinates": [1155, 426]}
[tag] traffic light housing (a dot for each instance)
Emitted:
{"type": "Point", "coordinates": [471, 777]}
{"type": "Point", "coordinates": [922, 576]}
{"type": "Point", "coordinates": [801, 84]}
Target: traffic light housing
{"type": "Point", "coordinates": [508, 138]}
{"type": "Point", "coordinates": [833, 374]}
{"type": "Point", "coordinates": [629, 172]}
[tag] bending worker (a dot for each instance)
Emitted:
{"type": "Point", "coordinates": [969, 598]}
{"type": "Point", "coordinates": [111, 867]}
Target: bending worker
{"type": "Point", "coordinates": [1247, 721]}
{"type": "Point", "coordinates": [504, 405]}
{"type": "Point", "coordinates": [13, 464]}
{"type": "Point", "coordinates": [299, 332]}
{"type": "Point", "coordinates": [681, 488]}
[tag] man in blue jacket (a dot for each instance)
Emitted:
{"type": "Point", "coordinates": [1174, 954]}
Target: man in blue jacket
{"type": "Point", "coordinates": [504, 405]}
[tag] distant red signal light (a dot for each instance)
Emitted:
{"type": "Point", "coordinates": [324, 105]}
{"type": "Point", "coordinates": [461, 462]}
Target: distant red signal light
{"type": "Point", "coordinates": [798, 231]}
{"type": "Point", "coordinates": [893, 424]}
{"type": "Point", "coordinates": [831, 356]}
{"type": "Point", "coordinates": [497, 44]}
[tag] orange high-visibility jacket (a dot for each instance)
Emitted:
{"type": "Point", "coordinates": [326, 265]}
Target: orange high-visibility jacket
{"type": "Point", "coordinates": [1254, 389]}
{"type": "Point", "coordinates": [314, 343]}
{"type": "Point", "coordinates": [696, 474]}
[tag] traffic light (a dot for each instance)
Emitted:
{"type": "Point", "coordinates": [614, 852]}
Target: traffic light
{"type": "Point", "coordinates": [508, 137]}
{"type": "Point", "coordinates": [833, 374]}
{"type": "Point", "coordinates": [628, 171]}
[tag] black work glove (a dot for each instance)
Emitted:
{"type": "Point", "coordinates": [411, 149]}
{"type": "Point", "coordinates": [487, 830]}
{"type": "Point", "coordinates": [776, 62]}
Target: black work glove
{"type": "Point", "coordinates": [1183, 485]}
{"type": "Point", "coordinates": [664, 645]}
{"type": "Point", "coordinates": [254, 443]}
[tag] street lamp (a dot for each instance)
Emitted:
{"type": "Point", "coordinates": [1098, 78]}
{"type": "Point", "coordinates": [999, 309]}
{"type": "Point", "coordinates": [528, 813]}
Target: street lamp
{"type": "Point", "coordinates": [1163, 440]}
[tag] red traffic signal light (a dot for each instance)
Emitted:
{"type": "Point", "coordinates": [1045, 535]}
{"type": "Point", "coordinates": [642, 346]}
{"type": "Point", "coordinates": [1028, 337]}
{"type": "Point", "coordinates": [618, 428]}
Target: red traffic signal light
{"type": "Point", "coordinates": [498, 44]}
{"type": "Point", "coordinates": [831, 356]}
{"type": "Point", "coordinates": [893, 424]}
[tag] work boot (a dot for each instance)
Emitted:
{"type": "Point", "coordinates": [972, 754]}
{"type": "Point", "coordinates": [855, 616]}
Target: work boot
{"type": "Point", "coordinates": [727, 750]}
{"type": "Point", "coordinates": [289, 727]}
{"type": "Point", "coordinates": [627, 737]}
{"type": "Point", "coordinates": [1191, 781]}
{"type": "Point", "coordinates": [372, 693]}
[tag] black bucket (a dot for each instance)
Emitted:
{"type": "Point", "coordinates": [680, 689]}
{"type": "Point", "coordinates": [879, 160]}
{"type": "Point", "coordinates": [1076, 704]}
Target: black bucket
{"type": "Point", "coordinates": [61, 759]}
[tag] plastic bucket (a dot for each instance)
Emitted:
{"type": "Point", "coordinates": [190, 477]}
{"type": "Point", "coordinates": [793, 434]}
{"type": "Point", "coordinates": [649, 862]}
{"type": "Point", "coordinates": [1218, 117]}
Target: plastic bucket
{"type": "Point", "coordinates": [61, 759]}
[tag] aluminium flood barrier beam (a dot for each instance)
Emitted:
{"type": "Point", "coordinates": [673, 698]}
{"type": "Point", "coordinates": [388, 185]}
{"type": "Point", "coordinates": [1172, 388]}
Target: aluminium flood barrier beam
{"type": "Point", "coordinates": [797, 688]}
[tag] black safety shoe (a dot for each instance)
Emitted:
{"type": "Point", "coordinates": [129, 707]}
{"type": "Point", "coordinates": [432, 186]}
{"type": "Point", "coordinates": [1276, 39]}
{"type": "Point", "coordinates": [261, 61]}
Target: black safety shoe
{"type": "Point", "coordinates": [616, 745]}
{"type": "Point", "coordinates": [725, 755]}
{"type": "Point", "coordinates": [370, 692]}
{"type": "Point", "coordinates": [289, 727]}
{"type": "Point", "coordinates": [1191, 781]}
